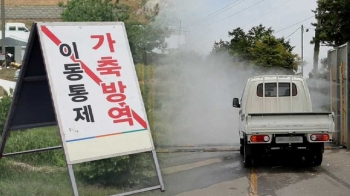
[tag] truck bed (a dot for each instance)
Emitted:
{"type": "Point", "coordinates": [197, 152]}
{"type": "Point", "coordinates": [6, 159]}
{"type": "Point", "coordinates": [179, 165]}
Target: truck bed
{"type": "Point", "coordinates": [281, 123]}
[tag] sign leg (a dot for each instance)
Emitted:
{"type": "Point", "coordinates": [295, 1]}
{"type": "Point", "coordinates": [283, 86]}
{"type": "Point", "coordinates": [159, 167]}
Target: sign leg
{"type": "Point", "coordinates": [158, 170]}
{"type": "Point", "coordinates": [72, 180]}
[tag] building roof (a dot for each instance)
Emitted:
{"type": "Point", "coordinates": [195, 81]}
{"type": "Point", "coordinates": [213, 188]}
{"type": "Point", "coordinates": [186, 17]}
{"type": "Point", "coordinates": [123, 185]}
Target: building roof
{"type": "Point", "coordinates": [11, 42]}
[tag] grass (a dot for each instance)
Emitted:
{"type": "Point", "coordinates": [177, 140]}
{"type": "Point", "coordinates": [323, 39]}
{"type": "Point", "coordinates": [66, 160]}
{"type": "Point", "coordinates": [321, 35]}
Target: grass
{"type": "Point", "coordinates": [19, 181]}
{"type": "Point", "coordinates": [42, 173]}
{"type": "Point", "coordinates": [36, 138]}
{"type": "Point", "coordinates": [7, 74]}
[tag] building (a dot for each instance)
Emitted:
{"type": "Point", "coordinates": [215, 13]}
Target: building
{"type": "Point", "coordinates": [15, 46]}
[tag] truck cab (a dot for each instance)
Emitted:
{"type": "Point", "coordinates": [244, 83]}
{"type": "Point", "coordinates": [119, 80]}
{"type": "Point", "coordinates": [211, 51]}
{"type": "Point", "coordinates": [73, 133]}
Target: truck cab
{"type": "Point", "coordinates": [16, 27]}
{"type": "Point", "coordinates": [276, 99]}
{"type": "Point", "coordinates": [16, 31]}
{"type": "Point", "coordinates": [275, 113]}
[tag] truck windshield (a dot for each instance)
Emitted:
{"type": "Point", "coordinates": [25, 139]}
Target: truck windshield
{"type": "Point", "coordinates": [271, 89]}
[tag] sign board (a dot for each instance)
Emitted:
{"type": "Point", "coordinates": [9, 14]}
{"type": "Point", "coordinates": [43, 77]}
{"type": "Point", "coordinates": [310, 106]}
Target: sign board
{"type": "Point", "coordinates": [95, 90]}
{"type": "Point", "coordinates": [2, 57]}
{"type": "Point", "coordinates": [81, 77]}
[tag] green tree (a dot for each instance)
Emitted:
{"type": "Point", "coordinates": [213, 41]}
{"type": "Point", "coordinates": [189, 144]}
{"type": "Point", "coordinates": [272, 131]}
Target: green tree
{"type": "Point", "coordinates": [334, 26]}
{"type": "Point", "coordinates": [5, 103]}
{"type": "Point", "coordinates": [270, 52]}
{"type": "Point", "coordinates": [94, 10]}
{"type": "Point", "coordinates": [259, 46]}
{"type": "Point", "coordinates": [143, 38]}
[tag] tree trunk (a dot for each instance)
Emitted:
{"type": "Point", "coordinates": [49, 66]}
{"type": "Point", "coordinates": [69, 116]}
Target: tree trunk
{"type": "Point", "coordinates": [316, 49]}
{"type": "Point", "coordinates": [316, 54]}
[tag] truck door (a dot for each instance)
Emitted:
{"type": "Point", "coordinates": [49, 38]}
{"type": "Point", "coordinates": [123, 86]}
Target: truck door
{"type": "Point", "coordinates": [242, 113]}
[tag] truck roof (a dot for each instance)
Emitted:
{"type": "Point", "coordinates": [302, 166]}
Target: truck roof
{"type": "Point", "coordinates": [16, 24]}
{"type": "Point", "coordinates": [273, 78]}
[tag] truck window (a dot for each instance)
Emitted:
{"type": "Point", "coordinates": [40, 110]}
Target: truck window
{"type": "Point", "coordinates": [271, 89]}
{"type": "Point", "coordinates": [23, 29]}
{"type": "Point", "coordinates": [12, 28]}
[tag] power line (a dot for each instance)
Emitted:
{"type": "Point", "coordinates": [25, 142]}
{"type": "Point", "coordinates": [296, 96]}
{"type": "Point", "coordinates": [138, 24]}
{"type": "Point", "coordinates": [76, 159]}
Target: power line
{"type": "Point", "coordinates": [211, 15]}
{"type": "Point", "coordinates": [267, 13]}
{"type": "Point", "coordinates": [294, 24]}
{"type": "Point", "coordinates": [292, 33]}
{"type": "Point", "coordinates": [231, 15]}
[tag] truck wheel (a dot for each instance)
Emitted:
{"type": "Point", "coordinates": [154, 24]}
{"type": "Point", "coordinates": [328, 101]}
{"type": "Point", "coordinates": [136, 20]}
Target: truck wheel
{"type": "Point", "coordinates": [318, 159]}
{"type": "Point", "coordinates": [248, 159]}
{"type": "Point", "coordinates": [241, 147]}
{"type": "Point", "coordinates": [314, 159]}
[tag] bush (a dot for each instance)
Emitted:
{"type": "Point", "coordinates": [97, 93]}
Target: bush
{"type": "Point", "coordinates": [125, 171]}
{"type": "Point", "coordinates": [5, 103]}
{"type": "Point", "coordinates": [34, 139]}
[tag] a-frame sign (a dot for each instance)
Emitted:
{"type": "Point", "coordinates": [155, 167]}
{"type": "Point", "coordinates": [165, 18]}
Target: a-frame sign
{"type": "Point", "coordinates": [81, 77]}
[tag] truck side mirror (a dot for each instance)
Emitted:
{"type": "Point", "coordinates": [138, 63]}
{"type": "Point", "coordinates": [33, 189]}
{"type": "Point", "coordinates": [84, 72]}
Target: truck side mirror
{"type": "Point", "coordinates": [235, 103]}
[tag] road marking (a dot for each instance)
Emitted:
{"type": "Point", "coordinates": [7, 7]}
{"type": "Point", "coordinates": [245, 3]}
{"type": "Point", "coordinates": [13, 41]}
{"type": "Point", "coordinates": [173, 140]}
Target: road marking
{"type": "Point", "coordinates": [253, 186]}
{"type": "Point", "coordinates": [189, 166]}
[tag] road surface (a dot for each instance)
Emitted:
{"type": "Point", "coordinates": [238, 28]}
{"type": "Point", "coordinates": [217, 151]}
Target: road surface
{"type": "Point", "coordinates": [222, 174]}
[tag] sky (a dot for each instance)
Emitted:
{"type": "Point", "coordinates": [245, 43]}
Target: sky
{"type": "Point", "coordinates": [210, 20]}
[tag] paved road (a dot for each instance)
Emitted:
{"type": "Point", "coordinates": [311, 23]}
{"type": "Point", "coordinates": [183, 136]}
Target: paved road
{"type": "Point", "coordinates": [222, 174]}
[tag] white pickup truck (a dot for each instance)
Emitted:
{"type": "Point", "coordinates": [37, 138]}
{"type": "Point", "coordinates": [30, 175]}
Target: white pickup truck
{"type": "Point", "coordinates": [275, 117]}
{"type": "Point", "coordinates": [16, 30]}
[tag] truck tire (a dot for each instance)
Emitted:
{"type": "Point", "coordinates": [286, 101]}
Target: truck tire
{"type": "Point", "coordinates": [314, 159]}
{"type": "Point", "coordinates": [248, 160]}
{"type": "Point", "coordinates": [315, 156]}
{"type": "Point", "coordinates": [241, 147]}
{"type": "Point", "coordinates": [318, 160]}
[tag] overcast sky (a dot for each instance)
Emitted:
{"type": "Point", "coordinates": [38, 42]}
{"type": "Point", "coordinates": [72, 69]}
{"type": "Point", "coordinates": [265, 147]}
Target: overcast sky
{"type": "Point", "coordinates": [210, 20]}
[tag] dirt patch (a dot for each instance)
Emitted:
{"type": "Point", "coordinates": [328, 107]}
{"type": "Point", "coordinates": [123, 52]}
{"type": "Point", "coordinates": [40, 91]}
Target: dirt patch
{"type": "Point", "coordinates": [2, 91]}
{"type": "Point", "coordinates": [8, 74]}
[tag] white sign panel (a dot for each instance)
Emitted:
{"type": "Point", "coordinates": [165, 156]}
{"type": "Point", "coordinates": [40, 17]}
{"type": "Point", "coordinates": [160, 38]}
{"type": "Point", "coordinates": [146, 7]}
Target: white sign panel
{"type": "Point", "coordinates": [95, 90]}
{"type": "Point", "coordinates": [2, 57]}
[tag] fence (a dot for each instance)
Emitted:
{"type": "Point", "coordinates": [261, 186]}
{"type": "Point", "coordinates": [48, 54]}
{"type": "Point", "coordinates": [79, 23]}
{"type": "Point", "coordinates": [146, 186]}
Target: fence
{"type": "Point", "coordinates": [145, 76]}
{"type": "Point", "coordinates": [338, 62]}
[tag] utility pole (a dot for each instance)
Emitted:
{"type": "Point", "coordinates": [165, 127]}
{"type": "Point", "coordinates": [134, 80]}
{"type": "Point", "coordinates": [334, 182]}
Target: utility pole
{"type": "Point", "coordinates": [178, 44]}
{"type": "Point", "coordinates": [302, 50]}
{"type": "Point", "coordinates": [3, 27]}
